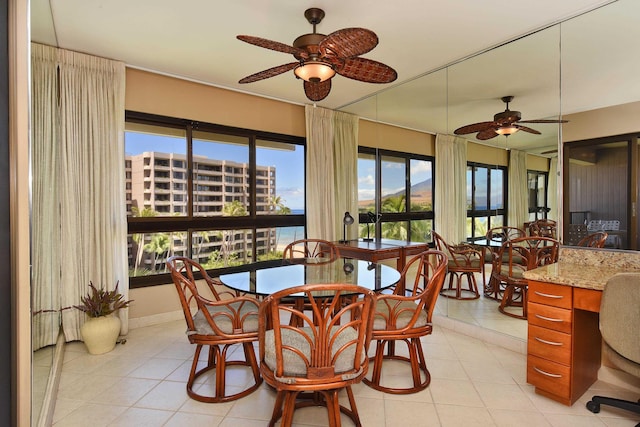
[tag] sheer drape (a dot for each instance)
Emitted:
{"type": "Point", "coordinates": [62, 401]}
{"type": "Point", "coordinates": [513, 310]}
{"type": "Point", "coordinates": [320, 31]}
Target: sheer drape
{"type": "Point", "coordinates": [345, 148]}
{"type": "Point", "coordinates": [332, 156]}
{"type": "Point", "coordinates": [518, 197]}
{"type": "Point", "coordinates": [450, 208]}
{"type": "Point", "coordinates": [45, 236]}
{"type": "Point", "coordinates": [87, 170]}
{"type": "Point", "coordinates": [552, 191]}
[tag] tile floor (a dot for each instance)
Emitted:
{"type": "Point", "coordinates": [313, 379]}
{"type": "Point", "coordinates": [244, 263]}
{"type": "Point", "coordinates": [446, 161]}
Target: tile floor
{"type": "Point", "coordinates": [142, 383]}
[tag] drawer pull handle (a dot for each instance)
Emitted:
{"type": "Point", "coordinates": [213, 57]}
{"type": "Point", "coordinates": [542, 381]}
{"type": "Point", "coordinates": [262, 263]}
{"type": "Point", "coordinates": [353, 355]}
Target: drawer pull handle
{"type": "Point", "coordinates": [549, 319]}
{"type": "Point", "coordinates": [540, 371]}
{"type": "Point", "coordinates": [549, 295]}
{"type": "Point", "coordinates": [547, 342]}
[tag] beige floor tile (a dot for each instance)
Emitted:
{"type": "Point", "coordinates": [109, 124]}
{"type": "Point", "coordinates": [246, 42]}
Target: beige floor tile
{"type": "Point", "coordinates": [452, 416]}
{"type": "Point", "coordinates": [126, 392]}
{"type": "Point", "coordinates": [182, 419]}
{"type": "Point", "coordinates": [455, 392]}
{"type": "Point", "coordinates": [156, 368]}
{"type": "Point", "coordinates": [402, 413]}
{"type": "Point", "coordinates": [512, 418]}
{"type": "Point", "coordinates": [139, 417]}
{"type": "Point", "coordinates": [503, 396]}
{"type": "Point", "coordinates": [167, 395]}
{"type": "Point", "coordinates": [91, 414]}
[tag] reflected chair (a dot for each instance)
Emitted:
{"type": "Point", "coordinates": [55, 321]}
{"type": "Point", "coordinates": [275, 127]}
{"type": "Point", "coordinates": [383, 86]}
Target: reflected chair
{"type": "Point", "coordinates": [218, 320]}
{"type": "Point", "coordinates": [619, 317]}
{"type": "Point", "coordinates": [405, 316]}
{"type": "Point", "coordinates": [496, 236]}
{"type": "Point", "coordinates": [311, 251]}
{"type": "Point", "coordinates": [594, 240]}
{"type": "Point", "coordinates": [543, 228]}
{"type": "Point", "coordinates": [512, 260]}
{"type": "Point", "coordinates": [464, 261]}
{"type": "Point", "coordinates": [309, 365]}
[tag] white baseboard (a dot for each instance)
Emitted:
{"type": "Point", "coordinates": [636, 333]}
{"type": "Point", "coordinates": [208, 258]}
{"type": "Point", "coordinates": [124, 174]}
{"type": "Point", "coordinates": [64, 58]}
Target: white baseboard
{"type": "Point", "coordinates": [155, 319]}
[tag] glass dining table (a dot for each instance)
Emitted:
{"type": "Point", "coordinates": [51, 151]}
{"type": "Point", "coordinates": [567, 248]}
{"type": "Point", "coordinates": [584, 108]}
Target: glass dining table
{"type": "Point", "coordinates": [265, 281]}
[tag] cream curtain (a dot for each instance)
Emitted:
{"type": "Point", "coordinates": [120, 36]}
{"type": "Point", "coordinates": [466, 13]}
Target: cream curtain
{"type": "Point", "coordinates": [552, 191]}
{"type": "Point", "coordinates": [86, 161]}
{"type": "Point", "coordinates": [450, 208]}
{"type": "Point", "coordinates": [345, 149]}
{"type": "Point", "coordinates": [518, 190]}
{"type": "Point", "coordinates": [332, 181]}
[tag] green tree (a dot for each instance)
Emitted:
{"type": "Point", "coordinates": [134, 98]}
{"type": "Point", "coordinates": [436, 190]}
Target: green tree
{"type": "Point", "coordinates": [159, 245]}
{"type": "Point", "coordinates": [235, 208]}
{"type": "Point", "coordinates": [139, 237]}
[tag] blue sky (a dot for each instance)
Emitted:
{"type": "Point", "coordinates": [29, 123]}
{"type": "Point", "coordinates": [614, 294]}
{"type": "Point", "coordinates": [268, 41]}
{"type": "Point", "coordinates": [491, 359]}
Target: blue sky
{"type": "Point", "coordinates": [289, 164]}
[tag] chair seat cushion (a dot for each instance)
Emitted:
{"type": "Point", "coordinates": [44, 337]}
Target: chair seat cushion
{"type": "Point", "coordinates": [404, 310]}
{"type": "Point", "coordinates": [224, 322]}
{"type": "Point", "coordinates": [517, 271]}
{"type": "Point", "coordinates": [461, 261]}
{"type": "Point", "coordinates": [296, 366]}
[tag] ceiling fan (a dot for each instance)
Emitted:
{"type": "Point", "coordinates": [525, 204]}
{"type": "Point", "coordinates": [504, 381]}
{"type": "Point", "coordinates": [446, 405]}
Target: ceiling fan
{"type": "Point", "coordinates": [320, 57]}
{"type": "Point", "coordinates": [504, 123]}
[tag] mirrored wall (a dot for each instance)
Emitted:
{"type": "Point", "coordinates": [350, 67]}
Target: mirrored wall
{"type": "Point", "coordinates": [586, 63]}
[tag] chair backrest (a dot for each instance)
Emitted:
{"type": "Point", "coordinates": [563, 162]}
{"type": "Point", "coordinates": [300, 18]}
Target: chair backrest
{"type": "Point", "coordinates": [619, 312]}
{"type": "Point", "coordinates": [330, 347]}
{"type": "Point", "coordinates": [428, 270]}
{"type": "Point", "coordinates": [197, 295]}
{"type": "Point", "coordinates": [525, 253]}
{"type": "Point", "coordinates": [543, 228]}
{"type": "Point", "coordinates": [594, 240]}
{"type": "Point", "coordinates": [462, 256]}
{"type": "Point", "coordinates": [504, 233]}
{"type": "Point", "coordinates": [311, 251]}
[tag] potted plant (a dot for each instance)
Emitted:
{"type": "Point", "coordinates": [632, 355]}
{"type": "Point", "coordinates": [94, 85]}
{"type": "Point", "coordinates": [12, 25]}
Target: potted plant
{"type": "Point", "coordinates": [101, 329]}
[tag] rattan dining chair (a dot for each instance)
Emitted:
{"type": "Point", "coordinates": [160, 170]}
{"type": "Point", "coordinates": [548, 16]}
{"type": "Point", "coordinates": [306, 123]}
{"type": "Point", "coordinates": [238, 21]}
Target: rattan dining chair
{"type": "Point", "coordinates": [309, 365]}
{"type": "Point", "coordinates": [310, 251]}
{"type": "Point", "coordinates": [543, 228]}
{"type": "Point", "coordinates": [496, 236]}
{"type": "Point", "coordinates": [406, 316]}
{"type": "Point", "coordinates": [594, 240]}
{"type": "Point", "coordinates": [217, 320]}
{"type": "Point", "coordinates": [464, 262]}
{"type": "Point", "coordinates": [512, 260]}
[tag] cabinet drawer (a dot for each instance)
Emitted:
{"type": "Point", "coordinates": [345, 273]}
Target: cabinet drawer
{"type": "Point", "coordinates": [549, 344]}
{"type": "Point", "coordinates": [550, 294]}
{"type": "Point", "coordinates": [549, 376]}
{"type": "Point", "coordinates": [549, 317]}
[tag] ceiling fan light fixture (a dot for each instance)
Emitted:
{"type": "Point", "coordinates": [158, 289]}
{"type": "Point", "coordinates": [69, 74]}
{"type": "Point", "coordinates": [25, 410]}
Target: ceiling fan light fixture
{"type": "Point", "coordinates": [314, 71]}
{"type": "Point", "coordinates": [507, 130]}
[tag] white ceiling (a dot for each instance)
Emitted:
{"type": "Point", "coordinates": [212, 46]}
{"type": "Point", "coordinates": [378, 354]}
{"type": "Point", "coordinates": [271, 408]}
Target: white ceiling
{"type": "Point", "coordinates": [196, 39]}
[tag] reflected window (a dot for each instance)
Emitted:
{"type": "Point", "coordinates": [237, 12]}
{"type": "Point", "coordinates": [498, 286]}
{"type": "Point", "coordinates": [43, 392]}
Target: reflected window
{"type": "Point", "coordinates": [486, 198]}
{"type": "Point", "coordinates": [537, 189]}
{"type": "Point", "coordinates": [399, 187]}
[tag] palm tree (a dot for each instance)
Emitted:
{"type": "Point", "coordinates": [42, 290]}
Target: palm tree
{"type": "Point", "coordinates": [279, 208]}
{"type": "Point", "coordinates": [235, 208]}
{"type": "Point", "coordinates": [158, 246]}
{"type": "Point", "coordinates": [139, 238]}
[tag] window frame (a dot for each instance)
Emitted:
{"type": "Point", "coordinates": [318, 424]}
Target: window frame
{"type": "Point", "coordinates": [540, 212]}
{"type": "Point", "coordinates": [189, 223]}
{"type": "Point", "coordinates": [407, 215]}
{"type": "Point", "coordinates": [474, 213]}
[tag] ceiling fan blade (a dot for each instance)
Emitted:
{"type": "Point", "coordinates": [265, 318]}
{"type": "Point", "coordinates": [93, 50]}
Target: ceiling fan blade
{"type": "Point", "coordinates": [270, 44]}
{"type": "Point", "coordinates": [271, 72]}
{"type": "Point", "coordinates": [317, 91]}
{"type": "Point", "coordinates": [486, 134]}
{"type": "Point", "coordinates": [476, 127]}
{"type": "Point", "coordinates": [349, 42]}
{"type": "Point", "coordinates": [367, 70]}
{"type": "Point", "coordinates": [526, 129]}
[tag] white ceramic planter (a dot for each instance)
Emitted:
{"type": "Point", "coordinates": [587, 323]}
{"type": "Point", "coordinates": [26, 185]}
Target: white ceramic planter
{"type": "Point", "coordinates": [100, 333]}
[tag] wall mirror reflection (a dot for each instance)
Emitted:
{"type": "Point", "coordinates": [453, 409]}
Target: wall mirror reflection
{"type": "Point", "coordinates": [553, 73]}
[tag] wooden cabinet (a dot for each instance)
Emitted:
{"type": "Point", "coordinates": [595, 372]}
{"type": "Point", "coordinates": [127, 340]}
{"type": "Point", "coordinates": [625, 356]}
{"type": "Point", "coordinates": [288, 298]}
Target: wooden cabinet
{"type": "Point", "coordinates": [563, 347]}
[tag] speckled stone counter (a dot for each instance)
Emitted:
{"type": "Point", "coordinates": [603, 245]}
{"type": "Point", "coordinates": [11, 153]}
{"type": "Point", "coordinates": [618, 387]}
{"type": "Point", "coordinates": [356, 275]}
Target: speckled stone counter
{"type": "Point", "coordinates": [586, 268]}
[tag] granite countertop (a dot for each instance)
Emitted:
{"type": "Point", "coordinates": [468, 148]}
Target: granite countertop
{"type": "Point", "coordinates": [586, 268]}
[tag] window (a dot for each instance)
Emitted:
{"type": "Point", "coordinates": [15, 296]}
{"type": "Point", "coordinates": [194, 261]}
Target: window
{"type": "Point", "coordinates": [486, 198]}
{"type": "Point", "coordinates": [537, 183]}
{"type": "Point", "coordinates": [398, 186]}
{"type": "Point", "coordinates": [225, 197]}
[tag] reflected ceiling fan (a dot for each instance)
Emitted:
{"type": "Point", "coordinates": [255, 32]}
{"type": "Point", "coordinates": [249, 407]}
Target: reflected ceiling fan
{"type": "Point", "coordinates": [320, 57]}
{"type": "Point", "coordinates": [504, 123]}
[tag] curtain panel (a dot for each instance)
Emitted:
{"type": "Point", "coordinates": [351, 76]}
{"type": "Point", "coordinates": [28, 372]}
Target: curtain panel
{"type": "Point", "coordinates": [450, 208]}
{"type": "Point", "coordinates": [518, 197]}
{"type": "Point", "coordinates": [78, 133]}
{"type": "Point", "coordinates": [332, 180]}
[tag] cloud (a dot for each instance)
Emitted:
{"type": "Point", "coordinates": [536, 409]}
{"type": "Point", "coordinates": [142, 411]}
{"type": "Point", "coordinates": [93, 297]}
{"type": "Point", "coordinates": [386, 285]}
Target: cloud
{"type": "Point", "coordinates": [366, 180]}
